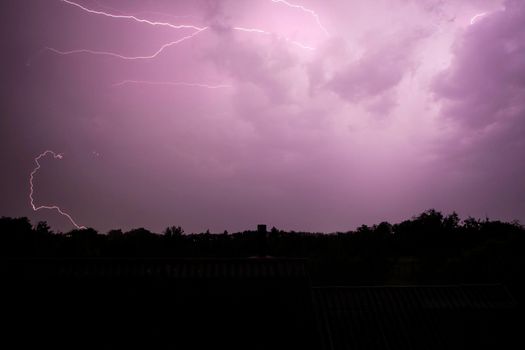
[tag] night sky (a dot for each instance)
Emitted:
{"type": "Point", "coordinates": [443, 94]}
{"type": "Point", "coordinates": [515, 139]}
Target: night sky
{"type": "Point", "coordinates": [316, 115]}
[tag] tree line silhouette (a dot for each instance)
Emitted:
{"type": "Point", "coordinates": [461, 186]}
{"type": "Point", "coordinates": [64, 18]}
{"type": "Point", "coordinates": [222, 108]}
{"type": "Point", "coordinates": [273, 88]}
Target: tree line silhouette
{"type": "Point", "coordinates": [428, 248]}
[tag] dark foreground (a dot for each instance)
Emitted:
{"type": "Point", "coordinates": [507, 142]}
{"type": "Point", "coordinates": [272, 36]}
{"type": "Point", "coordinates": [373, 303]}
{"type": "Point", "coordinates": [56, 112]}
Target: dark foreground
{"type": "Point", "coordinates": [257, 303]}
{"type": "Point", "coordinates": [431, 282]}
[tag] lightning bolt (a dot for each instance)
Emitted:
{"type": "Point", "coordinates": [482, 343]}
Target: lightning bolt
{"type": "Point", "coordinates": [304, 9]}
{"type": "Point", "coordinates": [31, 190]}
{"type": "Point", "coordinates": [261, 31]}
{"type": "Point", "coordinates": [170, 83]}
{"type": "Point", "coordinates": [130, 17]}
{"type": "Point", "coordinates": [113, 54]}
{"type": "Point", "coordinates": [154, 13]}
{"type": "Point", "coordinates": [197, 30]}
{"type": "Point", "coordinates": [477, 17]}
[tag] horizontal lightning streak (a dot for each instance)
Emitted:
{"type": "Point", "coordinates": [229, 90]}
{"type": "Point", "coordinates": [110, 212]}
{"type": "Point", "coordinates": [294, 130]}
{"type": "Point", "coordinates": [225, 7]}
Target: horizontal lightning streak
{"type": "Point", "coordinates": [113, 54]}
{"type": "Point", "coordinates": [197, 31]}
{"type": "Point", "coordinates": [251, 30]}
{"type": "Point", "coordinates": [137, 14]}
{"type": "Point", "coordinates": [170, 83]}
{"type": "Point", "coordinates": [260, 31]}
{"type": "Point", "coordinates": [31, 190]}
{"type": "Point", "coordinates": [301, 45]}
{"type": "Point", "coordinates": [134, 18]}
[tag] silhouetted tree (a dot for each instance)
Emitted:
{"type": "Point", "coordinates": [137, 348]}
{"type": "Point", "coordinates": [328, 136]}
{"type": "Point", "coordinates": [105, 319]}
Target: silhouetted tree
{"type": "Point", "coordinates": [43, 228]}
{"type": "Point", "coordinates": [115, 234]}
{"type": "Point", "coordinates": [173, 231]}
{"type": "Point", "coordinates": [451, 222]}
{"type": "Point", "coordinates": [139, 233]}
{"type": "Point", "coordinates": [15, 225]}
{"type": "Point", "coordinates": [434, 246]}
{"type": "Point", "coordinates": [472, 223]}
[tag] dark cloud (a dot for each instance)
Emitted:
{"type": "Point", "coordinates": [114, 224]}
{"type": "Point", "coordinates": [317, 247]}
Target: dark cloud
{"type": "Point", "coordinates": [483, 100]}
{"type": "Point", "coordinates": [485, 83]}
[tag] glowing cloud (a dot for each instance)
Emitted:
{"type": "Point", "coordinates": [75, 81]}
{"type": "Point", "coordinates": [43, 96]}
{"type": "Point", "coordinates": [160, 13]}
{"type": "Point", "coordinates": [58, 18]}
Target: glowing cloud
{"type": "Point", "coordinates": [227, 117]}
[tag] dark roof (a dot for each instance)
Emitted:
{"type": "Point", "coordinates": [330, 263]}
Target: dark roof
{"type": "Point", "coordinates": [250, 268]}
{"type": "Point", "coordinates": [265, 303]}
{"type": "Point", "coordinates": [412, 317]}
{"type": "Point", "coordinates": [254, 303]}
{"type": "Point", "coordinates": [400, 298]}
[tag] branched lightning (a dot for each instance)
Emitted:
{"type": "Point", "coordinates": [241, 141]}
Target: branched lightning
{"type": "Point", "coordinates": [307, 10]}
{"type": "Point", "coordinates": [173, 83]}
{"type": "Point", "coordinates": [31, 190]}
{"type": "Point", "coordinates": [113, 54]}
{"type": "Point", "coordinates": [195, 30]}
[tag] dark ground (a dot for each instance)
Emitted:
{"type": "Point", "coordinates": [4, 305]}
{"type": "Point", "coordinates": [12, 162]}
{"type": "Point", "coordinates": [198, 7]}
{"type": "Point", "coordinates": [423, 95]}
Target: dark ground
{"type": "Point", "coordinates": [432, 282]}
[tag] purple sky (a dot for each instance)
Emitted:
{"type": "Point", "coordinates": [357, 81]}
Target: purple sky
{"type": "Point", "coordinates": [328, 116]}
